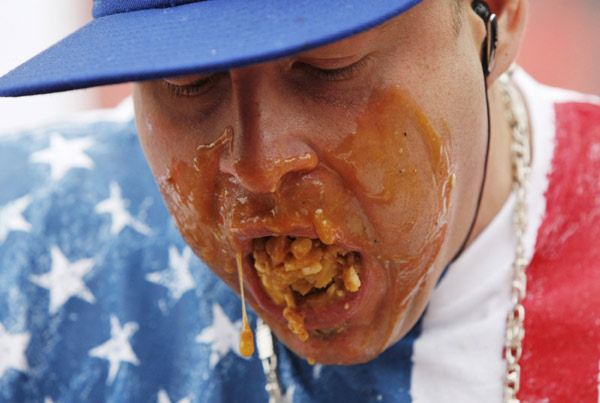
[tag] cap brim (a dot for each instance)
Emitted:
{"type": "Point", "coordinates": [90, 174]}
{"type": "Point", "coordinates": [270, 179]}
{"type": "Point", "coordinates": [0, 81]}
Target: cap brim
{"type": "Point", "coordinates": [197, 37]}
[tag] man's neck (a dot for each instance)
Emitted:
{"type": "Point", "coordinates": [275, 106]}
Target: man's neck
{"type": "Point", "coordinates": [498, 181]}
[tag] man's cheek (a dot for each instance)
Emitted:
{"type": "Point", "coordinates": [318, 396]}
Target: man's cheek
{"type": "Point", "coordinates": [399, 167]}
{"type": "Point", "coordinates": [190, 190]}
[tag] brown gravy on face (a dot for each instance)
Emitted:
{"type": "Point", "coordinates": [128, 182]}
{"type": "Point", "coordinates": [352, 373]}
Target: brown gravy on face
{"type": "Point", "coordinates": [394, 159]}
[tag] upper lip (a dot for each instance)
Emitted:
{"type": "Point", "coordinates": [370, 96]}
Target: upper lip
{"type": "Point", "coordinates": [244, 237]}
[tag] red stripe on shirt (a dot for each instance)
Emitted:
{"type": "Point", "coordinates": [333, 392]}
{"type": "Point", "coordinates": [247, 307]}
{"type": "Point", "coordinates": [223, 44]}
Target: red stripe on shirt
{"type": "Point", "coordinates": [561, 350]}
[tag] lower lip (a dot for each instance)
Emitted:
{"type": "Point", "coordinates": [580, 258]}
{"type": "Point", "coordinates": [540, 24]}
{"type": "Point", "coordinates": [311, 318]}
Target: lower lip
{"type": "Point", "coordinates": [320, 317]}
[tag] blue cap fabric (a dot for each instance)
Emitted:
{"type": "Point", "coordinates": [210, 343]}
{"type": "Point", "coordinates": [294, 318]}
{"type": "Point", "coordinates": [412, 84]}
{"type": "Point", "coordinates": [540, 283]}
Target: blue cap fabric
{"type": "Point", "coordinates": [134, 40]}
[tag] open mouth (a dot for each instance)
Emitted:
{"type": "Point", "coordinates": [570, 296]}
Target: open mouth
{"type": "Point", "coordinates": [305, 275]}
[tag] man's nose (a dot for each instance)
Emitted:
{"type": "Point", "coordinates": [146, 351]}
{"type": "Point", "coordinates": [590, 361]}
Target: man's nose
{"type": "Point", "coordinates": [269, 135]}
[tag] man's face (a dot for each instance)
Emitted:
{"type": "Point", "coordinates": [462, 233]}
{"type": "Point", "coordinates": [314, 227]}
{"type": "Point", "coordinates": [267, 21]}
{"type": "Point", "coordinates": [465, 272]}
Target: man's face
{"type": "Point", "coordinates": [374, 144]}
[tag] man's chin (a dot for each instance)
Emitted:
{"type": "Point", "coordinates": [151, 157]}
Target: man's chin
{"type": "Point", "coordinates": [336, 346]}
{"type": "Point", "coordinates": [354, 328]}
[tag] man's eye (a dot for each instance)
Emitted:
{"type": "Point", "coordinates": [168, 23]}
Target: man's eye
{"type": "Point", "coordinates": [195, 88]}
{"type": "Point", "coordinates": [338, 74]}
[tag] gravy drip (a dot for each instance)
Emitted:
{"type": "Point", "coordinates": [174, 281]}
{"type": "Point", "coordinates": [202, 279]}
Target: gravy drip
{"type": "Point", "coordinates": [246, 337]}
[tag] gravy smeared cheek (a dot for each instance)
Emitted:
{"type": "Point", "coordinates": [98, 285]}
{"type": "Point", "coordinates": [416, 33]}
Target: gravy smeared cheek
{"type": "Point", "coordinates": [382, 188]}
{"type": "Point", "coordinates": [302, 270]}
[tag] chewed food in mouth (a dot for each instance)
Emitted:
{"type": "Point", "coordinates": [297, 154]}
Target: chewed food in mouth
{"type": "Point", "coordinates": [300, 270]}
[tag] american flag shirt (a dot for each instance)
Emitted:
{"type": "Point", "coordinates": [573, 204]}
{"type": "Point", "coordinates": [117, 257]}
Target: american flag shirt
{"type": "Point", "coordinates": [101, 299]}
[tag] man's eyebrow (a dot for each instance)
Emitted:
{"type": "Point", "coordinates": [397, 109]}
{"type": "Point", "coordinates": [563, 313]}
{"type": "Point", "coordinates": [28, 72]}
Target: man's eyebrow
{"type": "Point", "coordinates": [354, 39]}
{"type": "Point", "coordinates": [386, 24]}
{"type": "Point", "coordinates": [344, 46]}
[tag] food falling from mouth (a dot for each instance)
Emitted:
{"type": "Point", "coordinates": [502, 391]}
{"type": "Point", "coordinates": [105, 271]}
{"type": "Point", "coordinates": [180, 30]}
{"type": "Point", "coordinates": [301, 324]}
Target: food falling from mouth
{"type": "Point", "coordinates": [246, 336]}
{"type": "Point", "coordinates": [301, 270]}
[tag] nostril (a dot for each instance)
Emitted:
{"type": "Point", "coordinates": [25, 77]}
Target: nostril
{"type": "Point", "coordinates": [262, 173]}
{"type": "Point", "coordinates": [265, 176]}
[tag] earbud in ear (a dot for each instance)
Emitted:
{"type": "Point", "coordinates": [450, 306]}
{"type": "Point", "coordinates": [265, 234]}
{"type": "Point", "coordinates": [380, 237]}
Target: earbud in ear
{"type": "Point", "coordinates": [488, 49]}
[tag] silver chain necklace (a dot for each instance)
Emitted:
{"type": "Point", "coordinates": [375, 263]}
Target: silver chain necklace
{"type": "Point", "coordinates": [268, 358]}
{"type": "Point", "coordinates": [516, 116]}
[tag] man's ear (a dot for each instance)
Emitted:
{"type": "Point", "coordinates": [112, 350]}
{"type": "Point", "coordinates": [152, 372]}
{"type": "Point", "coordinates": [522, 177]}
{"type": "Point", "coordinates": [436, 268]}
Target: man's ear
{"type": "Point", "coordinates": [512, 16]}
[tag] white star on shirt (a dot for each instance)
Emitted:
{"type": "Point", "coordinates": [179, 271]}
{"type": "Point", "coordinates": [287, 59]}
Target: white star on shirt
{"type": "Point", "coordinates": [65, 280]}
{"type": "Point", "coordinates": [62, 155]}
{"type": "Point", "coordinates": [121, 218]}
{"type": "Point", "coordinates": [11, 217]}
{"type": "Point", "coordinates": [117, 349]}
{"type": "Point", "coordinates": [12, 351]}
{"type": "Point", "coordinates": [316, 371]}
{"type": "Point", "coordinates": [222, 336]}
{"type": "Point", "coordinates": [163, 397]}
{"type": "Point", "coordinates": [177, 278]}
{"type": "Point", "coordinates": [288, 397]}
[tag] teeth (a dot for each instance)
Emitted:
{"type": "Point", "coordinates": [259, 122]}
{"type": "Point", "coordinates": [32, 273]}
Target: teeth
{"type": "Point", "coordinates": [292, 268]}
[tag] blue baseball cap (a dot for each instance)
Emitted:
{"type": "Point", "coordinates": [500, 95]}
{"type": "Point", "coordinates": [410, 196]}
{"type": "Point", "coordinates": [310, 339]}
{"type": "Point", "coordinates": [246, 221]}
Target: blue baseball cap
{"type": "Point", "coordinates": [136, 40]}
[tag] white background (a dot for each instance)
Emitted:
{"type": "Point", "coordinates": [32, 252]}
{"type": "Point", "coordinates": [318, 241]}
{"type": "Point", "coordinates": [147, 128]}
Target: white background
{"type": "Point", "coordinates": [561, 47]}
{"type": "Point", "coordinates": [26, 28]}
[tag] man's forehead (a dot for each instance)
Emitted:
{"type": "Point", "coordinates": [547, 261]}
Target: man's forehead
{"type": "Point", "coordinates": [362, 40]}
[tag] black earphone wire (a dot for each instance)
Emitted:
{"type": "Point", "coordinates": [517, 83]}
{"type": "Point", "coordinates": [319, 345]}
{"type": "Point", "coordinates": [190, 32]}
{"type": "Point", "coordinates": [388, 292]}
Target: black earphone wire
{"type": "Point", "coordinates": [487, 54]}
{"type": "Point", "coordinates": [485, 165]}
